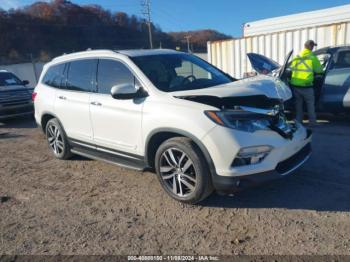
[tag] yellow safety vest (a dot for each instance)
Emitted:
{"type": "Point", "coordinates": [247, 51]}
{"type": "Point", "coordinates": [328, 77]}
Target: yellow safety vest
{"type": "Point", "coordinates": [303, 68]}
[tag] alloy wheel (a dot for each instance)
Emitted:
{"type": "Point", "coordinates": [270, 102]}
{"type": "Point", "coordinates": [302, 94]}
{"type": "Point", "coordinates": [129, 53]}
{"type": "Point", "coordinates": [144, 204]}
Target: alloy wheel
{"type": "Point", "coordinates": [55, 139]}
{"type": "Point", "coordinates": [178, 172]}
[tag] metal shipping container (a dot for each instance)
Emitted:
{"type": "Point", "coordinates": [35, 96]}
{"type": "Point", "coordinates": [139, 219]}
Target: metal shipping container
{"type": "Point", "coordinates": [275, 37]}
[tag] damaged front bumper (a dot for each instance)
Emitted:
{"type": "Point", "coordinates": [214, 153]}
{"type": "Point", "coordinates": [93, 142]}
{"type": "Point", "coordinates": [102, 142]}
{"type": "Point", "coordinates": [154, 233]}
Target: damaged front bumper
{"type": "Point", "coordinates": [286, 156]}
{"type": "Point", "coordinates": [286, 167]}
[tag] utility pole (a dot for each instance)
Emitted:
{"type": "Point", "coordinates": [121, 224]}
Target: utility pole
{"type": "Point", "coordinates": [188, 43]}
{"type": "Point", "coordinates": [147, 12]}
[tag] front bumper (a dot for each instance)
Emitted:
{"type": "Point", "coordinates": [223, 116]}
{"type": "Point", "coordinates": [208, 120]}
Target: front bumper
{"type": "Point", "coordinates": [286, 167]}
{"type": "Point", "coordinates": [13, 111]}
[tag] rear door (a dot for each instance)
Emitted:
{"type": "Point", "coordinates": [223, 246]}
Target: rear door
{"type": "Point", "coordinates": [72, 102]}
{"type": "Point", "coordinates": [336, 89]}
{"type": "Point", "coordinates": [116, 123]}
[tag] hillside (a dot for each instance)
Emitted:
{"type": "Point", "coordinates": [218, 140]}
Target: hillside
{"type": "Point", "coordinates": [45, 30]}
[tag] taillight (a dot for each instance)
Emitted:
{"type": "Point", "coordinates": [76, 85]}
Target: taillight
{"type": "Point", "coordinates": [33, 96]}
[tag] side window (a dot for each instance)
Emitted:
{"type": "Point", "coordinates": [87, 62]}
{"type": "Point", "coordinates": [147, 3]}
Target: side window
{"type": "Point", "coordinates": [80, 75]}
{"type": "Point", "coordinates": [111, 73]}
{"type": "Point", "coordinates": [54, 76]}
{"type": "Point", "coordinates": [342, 59]}
{"type": "Point", "coordinates": [324, 59]}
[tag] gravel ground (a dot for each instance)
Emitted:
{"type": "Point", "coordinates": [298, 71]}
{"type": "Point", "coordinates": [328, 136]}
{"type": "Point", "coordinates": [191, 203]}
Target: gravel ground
{"type": "Point", "coordinates": [83, 206]}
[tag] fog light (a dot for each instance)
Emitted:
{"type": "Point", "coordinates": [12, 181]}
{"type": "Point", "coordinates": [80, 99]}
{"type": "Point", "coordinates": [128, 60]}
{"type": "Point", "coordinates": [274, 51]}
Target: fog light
{"type": "Point", "coordinates": [251, 155]}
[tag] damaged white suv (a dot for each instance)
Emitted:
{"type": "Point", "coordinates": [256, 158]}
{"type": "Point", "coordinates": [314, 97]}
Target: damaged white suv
{"type": "Point", "coordinates": [200, 129]}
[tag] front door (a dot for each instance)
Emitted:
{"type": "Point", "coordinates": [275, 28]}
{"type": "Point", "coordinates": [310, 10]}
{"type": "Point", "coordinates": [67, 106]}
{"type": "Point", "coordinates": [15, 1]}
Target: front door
{"type": "Point", "coordinates": [335, 95]}
{"type": "Point", "coordinates": [116, 123]}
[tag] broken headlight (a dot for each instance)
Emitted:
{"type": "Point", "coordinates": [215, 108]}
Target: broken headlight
{"type": "Point", "coordinates": [240, 120]}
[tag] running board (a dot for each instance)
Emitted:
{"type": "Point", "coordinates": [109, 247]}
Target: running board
{"type": "Point", "coordinates": [135, 164]}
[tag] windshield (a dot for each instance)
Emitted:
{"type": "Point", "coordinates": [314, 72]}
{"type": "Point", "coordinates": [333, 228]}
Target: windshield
{"type": "Point", "coordinates": [9, 79]}
{"type": "Point", "coordinates": [175, 72]}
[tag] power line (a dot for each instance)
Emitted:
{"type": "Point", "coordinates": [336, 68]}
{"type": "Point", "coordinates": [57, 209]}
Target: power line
{"type": "Point", "coordinates": [146, 4]}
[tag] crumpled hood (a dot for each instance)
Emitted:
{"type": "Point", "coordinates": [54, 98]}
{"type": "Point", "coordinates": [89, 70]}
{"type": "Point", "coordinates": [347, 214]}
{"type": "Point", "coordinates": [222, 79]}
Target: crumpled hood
{"type": "Point", "coordinates": [260, 85]}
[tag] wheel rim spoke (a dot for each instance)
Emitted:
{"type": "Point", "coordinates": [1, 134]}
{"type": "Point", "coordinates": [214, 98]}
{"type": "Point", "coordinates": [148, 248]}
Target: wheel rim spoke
{"type": "Point", "coordinates": [55, 148]}
{"type": "Point", "coordinates": [172, 157]}
{"type": "Point", "coordinates": [181, 158]}
{"type": "Point", "coordinates": [51, 131]}
{"type": "Point", "coordinates": [174, 185]}
{"type": "Point", "coordinates": [168, 176]}
{"type": "Point", "coordinates": [58, 133]}
{"type": "Point", "coordinates": [167, 159]}
{"type": "Point", "coordinates": [59, 145]}
{"type": "Point", "coordinates": [191, 187]}
{"type": "Point", "coordinates": [187, 165]}
{"type": "Point", "coordinates": [189, 178]}
{"type": "Point", "coordinates": [166, 169]}
{"type": "Point", "coordinates": [180, 187]}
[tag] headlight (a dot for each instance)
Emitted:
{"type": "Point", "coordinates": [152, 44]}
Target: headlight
{"type": "Point", "coordinates": [240, 120]}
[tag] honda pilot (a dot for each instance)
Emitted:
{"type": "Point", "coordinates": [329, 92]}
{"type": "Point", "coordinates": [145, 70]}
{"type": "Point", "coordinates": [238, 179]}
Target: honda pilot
{"type": "Point", "coordinates": [197, 127]}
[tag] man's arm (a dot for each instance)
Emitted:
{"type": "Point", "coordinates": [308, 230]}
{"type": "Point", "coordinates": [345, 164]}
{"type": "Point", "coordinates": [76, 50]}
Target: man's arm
{"type": "Point", "coordinates": [316, 65]}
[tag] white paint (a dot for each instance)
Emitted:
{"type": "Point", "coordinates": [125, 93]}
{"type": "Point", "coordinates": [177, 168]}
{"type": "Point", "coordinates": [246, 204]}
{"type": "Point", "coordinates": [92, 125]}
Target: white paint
{"type": "Point", "coordinates": [333, 15]}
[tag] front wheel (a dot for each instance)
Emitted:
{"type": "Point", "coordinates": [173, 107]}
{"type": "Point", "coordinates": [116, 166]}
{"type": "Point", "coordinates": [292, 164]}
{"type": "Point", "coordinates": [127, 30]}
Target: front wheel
{"type": "Point", "coordinates": [182, 170]}
{"type": "Point", "coordinates": [57, 140]}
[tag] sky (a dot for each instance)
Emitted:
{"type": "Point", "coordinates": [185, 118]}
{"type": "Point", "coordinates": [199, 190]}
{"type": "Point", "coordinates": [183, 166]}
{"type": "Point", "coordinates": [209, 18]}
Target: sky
{"type": "Point", "coordinates": [226, 16]}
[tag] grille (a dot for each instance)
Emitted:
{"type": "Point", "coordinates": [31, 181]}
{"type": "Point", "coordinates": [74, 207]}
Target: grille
{"type": "Point", "coordinates": [10, 98]}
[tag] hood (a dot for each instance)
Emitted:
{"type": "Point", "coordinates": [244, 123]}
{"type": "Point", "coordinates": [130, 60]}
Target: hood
{"type": "Point", "coordinates": [260, 91]}
{"type": "Point", "coordinates": [15, 88]}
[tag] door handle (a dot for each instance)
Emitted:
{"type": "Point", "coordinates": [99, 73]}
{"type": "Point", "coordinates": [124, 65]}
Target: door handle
{"type": "Point", "coordinates": [62, 97]}
{"type": "Point", "coordinates": [96, 103]}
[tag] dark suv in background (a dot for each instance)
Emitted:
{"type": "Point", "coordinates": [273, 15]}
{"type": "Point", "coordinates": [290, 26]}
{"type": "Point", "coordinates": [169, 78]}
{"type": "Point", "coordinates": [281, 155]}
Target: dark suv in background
{"type": "Point", "coordinates": [15, 96]}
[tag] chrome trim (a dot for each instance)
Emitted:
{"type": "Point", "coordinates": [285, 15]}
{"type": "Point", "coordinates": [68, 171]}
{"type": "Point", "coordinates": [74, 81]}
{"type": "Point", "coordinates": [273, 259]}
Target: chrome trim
{"type": "Point", "coordinates": [297, 166]}
{"type": "Point", "coordinates": [269, 112]}
{"type": "Point", "coordinates": [116, 153]}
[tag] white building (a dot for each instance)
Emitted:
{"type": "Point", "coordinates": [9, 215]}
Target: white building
{"type": "Point", "coordinates": [275, 37]}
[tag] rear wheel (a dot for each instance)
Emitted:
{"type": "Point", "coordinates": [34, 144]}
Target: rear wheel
{"type": "Point", "coordinates": [182, 170]}
{"type": "Point", "coordinates": [57, 140]}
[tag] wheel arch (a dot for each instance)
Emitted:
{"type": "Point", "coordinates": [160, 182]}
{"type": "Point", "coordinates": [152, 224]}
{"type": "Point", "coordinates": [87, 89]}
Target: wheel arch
{"type": "Point", "coordinates": [46, 117]}
{"type": "Point", "coordinates": [158, 136]}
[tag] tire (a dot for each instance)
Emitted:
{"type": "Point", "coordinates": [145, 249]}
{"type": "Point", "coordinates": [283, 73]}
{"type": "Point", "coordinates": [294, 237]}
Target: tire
{"type": "Point", "coordinates": [180, 162]}
{"type": "Point", "coordinates": [57, 139]}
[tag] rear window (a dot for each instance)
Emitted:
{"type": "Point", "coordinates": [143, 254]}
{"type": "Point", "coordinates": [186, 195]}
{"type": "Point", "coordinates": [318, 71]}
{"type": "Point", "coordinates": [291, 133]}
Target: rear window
{"type": "Point", "coordinates": [54, 76]}
{"type": "Point", "coordinates": [81, 75]}
{"type": "Point", "coordinates": [9, 79]}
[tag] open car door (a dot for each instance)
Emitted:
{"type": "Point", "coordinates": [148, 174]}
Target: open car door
{"type": "Point", "coordinates": [261, 64]}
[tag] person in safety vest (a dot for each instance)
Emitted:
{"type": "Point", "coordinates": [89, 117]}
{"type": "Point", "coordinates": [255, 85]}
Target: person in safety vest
{"type": "Point", "coordinates": [303, 67]}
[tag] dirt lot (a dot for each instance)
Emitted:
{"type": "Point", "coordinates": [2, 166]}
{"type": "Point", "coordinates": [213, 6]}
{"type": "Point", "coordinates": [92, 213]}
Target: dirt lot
{"type": "Point", "coordinates": [83, 206]}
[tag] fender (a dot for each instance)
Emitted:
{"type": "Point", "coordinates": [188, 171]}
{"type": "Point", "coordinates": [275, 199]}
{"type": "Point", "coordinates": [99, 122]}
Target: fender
{"type": "Point", "coordinates": [186, 134]}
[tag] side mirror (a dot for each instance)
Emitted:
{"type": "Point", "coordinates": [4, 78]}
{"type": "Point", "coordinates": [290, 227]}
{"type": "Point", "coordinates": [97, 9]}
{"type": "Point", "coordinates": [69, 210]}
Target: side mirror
{"type": "Point", "coordinates": [25, 82]}
{"type": "Point", "coordinates": [127, 91]}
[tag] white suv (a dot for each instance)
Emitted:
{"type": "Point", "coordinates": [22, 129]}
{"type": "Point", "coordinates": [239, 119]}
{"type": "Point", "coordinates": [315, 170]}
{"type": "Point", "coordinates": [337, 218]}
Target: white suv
{"type": "Point", "coordinates": [196, 126]}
